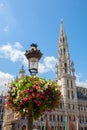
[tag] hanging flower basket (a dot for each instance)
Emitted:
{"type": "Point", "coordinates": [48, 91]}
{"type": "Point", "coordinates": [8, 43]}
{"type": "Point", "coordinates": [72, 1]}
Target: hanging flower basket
{"type": "Point", "coordinates": [34, 93]}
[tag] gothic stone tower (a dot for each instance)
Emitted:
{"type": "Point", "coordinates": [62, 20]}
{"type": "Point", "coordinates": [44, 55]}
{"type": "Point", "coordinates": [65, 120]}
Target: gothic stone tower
{"type": "Point", "coordinates": [65, 75]}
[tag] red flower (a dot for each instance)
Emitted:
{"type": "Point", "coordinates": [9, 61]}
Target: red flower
{"type": "Point", "coordinates": [25, 99]}
{"type": "Point", "coordinates": [38, 103]}
{"type": "Point", "coordinates": [38, 95]}
{"type": "Point", "coordinates": [42, 93]}
{"type": "Point", "coordinates": [37, 92]}
{"type": "Point", "coordinates": [30, 90]}
{"type": "Point", "coordinates": [26, 91]}
{"type": "Point", "coordinates": [29, 97]}
{"type": "Point", "coordinates": [33, 94]}
{"type": "Point", "coordinates": [36, 87]}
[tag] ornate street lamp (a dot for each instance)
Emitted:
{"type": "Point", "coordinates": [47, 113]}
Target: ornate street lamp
{"type": "Point", "coordinates": [33, 55]}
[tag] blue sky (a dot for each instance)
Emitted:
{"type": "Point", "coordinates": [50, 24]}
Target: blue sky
{"type": "Point", "coordinates": [23, 22]}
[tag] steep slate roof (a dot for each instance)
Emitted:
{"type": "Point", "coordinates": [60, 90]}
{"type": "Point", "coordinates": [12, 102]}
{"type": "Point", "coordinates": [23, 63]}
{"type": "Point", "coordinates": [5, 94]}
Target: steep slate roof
{"type": "Point", "coordinates": [82, 93]}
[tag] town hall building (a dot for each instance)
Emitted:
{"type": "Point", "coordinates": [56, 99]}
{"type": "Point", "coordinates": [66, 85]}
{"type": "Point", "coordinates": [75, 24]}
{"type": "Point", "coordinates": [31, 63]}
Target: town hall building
{"type": "Point", "coordinates": [74, 98]}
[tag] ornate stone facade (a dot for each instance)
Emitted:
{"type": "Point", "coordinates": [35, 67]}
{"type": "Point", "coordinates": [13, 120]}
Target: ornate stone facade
{"type": "Point", "coordinates": [2, 102]}
{"type": "Point", "coordinates": [73, 102]}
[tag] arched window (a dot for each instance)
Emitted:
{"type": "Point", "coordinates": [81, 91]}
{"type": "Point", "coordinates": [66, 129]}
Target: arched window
{"type": "Point", "coordinates": [68, 94]}
{"type": "Point", "coordinates": [57, 117]}
{"type": "Point", "coordinates": [72, 94]}
{"type": "Point", "coordinates": [63, 39]}
{"type": "Point", "coordinates": [69, 106]}
{"type": "Point", "coordinates": [79, 107]}
{"type": "Point", "coordinates": [71, 84]}
{"type": "Point", "coordinates": [61, 51]}
{"type": "Point", "coordinates": [50, 117]}
{"type": "Point", "coordinates": [64, 51]}
{"type": "Point", "coordinates": [82, 118]}
{"type": "Point", "coordinates": [73, 106]}
{"type": "Point", "coordinates": [61, 118]}
{"type": "Point", "coordinates": [86, 118]}
{"type": "Point", "coordinates": [65, 65]}
{"type": "Point", "coordinates": [53, 117]}
{"type": "Point", "coordinates": [67, 83]}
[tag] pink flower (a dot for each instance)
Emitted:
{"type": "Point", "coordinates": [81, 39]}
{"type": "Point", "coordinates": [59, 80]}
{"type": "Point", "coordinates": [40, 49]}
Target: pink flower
{"type": "Point", "coordinates": [38, 103]}
{"type": "Point", "coordinates": [25, 99]}
{"type": "Point", "coordinates": [33, 94]}
{"type": "Point", "coordinates": [30, 90]}
{"type": "Point", "coordinates": [26, 91]}
{"type": "Point", "coordinates": [36, 87]}
{"type": "Point", "coordinates": [29, 97]}
{"type": "Point", "coordinates": [42, 92]}
{"type": "Point", "coordinates": [37, 95]}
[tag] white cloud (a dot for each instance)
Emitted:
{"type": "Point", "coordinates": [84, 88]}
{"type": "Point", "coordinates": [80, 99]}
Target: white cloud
{"type": "Point", "coordinates": [48, 64]}
{"type": "Point", "coordinates": [41, 68]}
{"type": "Point", "coordinates": [5, 78]}
{"type": "Point", "coordinates": [18, 45]}
{"type": "Point", "coordinates": [13, 52]}
{"type": "Point", "coordinates": [80, 82]}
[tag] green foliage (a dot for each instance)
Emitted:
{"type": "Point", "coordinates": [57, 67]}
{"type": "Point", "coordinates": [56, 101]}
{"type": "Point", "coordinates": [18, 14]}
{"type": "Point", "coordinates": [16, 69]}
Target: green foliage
{"type": "Point", "coordinates": [34, 93]}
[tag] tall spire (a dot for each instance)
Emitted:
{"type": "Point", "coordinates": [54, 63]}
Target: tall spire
{"type": "Point", "coordinates": [62, 33]}
{"type": "Point", "coordinates": [21, 72]}
{"type": "Point", "coordinates": [63, 54]}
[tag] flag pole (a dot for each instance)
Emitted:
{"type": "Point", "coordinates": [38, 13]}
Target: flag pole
{"type": "Point", "coordinates": [45, 125]}
{"type": "Point", "coordinates": [66, 123]}
{"type": "Point", "coordinates": [58, 126]}
{"type": "Point", "coordinates": [77, 123]}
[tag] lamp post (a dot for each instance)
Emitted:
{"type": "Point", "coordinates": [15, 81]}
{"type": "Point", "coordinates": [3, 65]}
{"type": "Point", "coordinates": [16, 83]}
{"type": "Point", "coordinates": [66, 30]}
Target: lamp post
{"type": "Point", "coordinates": [33, 56]}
